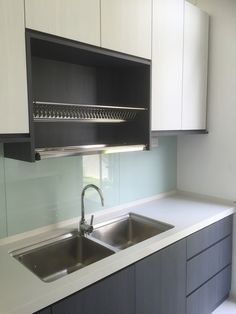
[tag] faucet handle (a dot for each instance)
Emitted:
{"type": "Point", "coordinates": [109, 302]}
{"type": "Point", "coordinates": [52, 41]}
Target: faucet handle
{"type": "Point", "coordinates": [91, 220]}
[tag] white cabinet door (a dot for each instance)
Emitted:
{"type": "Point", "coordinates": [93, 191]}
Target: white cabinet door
{"type": "Point", "coordinates": [13, 83]}
{"type": "Point", "coordinates": [126, 26]}
{"type": "Point", "coordinates": [167, 64]}
{"type": "Point", "coordinates": [74, 19]}
{"type": "Point", "coordinates": [195, 68]}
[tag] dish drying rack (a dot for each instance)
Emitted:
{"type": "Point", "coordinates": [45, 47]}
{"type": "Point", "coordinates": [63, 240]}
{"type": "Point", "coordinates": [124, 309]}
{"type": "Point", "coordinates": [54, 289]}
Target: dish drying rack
{"type": "Point", "coordinates": [63, 112]}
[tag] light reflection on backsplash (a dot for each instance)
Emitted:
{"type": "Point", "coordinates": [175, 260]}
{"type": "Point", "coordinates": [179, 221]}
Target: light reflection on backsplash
{"type": "Point", "coordinates": [103, 171]}
{"type": "Point", "coordinates": [46, 192]}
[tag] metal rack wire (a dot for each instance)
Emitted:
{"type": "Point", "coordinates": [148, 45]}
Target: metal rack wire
{"type": "Point", "coordinates": [53, 111]}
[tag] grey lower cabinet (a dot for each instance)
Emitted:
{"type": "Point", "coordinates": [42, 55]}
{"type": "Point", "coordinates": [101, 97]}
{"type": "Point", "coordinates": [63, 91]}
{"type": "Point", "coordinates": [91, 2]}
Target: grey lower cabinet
{"type": "Point", "coordinates": [208, 263]}
{"type": "Point", "coordinates": [114, 294]}
{"type": "Point", "coordinates": [207, 298]}
{"type": "Point", "coordinates": [209, 258]}
{"type": "Point", "coordinates": [191, 276]}
{"type": "Point", "coordinates": [161, 281]}
{"type": "Point", "coordinates": [144, 287]}
{"type": "Point", "coordinates": [45, 311]}
{"type": "Point", "coordinates": [204, 238]}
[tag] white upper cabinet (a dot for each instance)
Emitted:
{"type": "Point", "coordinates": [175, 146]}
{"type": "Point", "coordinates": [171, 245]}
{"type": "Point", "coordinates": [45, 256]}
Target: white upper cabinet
{"type": "Point", "coordinates": [74, 19]}
{"type": "Point", "coordinates": [179, 66]}
{"type": "Point", "coordinates": [167, 64]}
{"type": "Point", "coordinates": [195, 68]}
{"type": "Point", "coordinates": [13, 84]}
{"type": "Point", "coordinates": [126, 26]}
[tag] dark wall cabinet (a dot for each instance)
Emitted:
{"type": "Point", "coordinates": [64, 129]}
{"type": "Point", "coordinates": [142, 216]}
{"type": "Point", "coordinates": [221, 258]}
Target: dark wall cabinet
{"type": "Point", "coordinates": [191, 276]}
{"type": "Point", "coordinates": [82, 95]}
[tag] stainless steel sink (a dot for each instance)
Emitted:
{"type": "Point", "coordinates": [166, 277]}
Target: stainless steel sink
{"type": "Point", "coordinates": [55, 258]}
{"type": "Point", "coordinates": [128, 230]}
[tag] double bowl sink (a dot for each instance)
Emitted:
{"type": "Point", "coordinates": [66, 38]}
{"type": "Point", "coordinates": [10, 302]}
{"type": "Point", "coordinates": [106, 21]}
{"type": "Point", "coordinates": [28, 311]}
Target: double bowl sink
{"type": "Point", "coordinates": [55, 258]}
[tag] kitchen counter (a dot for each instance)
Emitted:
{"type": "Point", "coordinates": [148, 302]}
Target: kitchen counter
{"type": "Point", "coordinates": [22, 292]}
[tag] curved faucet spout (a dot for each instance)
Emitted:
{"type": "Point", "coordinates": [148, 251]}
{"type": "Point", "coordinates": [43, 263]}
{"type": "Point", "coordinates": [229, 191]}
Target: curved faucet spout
{"type": "Point", "coordinates": [84, 227]}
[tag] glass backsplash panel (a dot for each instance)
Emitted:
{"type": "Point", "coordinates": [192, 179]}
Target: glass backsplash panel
{"type": "Point", "coordinates": [42, 193]}
{"type": "Point", "coordinates": [34, 195]}
{"type": "Point", "coordinates": [104, 171]}
{"type": "Point", "coordinates": [144, 174]}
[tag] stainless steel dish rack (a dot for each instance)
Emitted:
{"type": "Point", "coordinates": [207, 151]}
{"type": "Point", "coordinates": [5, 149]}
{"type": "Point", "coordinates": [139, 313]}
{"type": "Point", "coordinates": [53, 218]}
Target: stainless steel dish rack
{"type": "Point", "coordinates": [63, 112]}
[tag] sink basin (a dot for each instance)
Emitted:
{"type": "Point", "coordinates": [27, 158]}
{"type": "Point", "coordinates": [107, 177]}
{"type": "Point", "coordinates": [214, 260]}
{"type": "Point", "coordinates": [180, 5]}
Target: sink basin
{"type": "Point", "coordinates": [55, 258]}
{"type": "Point", "coordinates": [128, 230]}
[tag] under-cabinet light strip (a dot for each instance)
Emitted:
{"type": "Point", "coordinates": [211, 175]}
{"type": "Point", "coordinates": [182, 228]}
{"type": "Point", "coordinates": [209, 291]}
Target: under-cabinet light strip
{"type": "Point", "coordinates": [54, 152]}
{"type": "Point", "coordinates": [123, 149]}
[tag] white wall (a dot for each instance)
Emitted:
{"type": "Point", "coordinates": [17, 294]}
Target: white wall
{"type": "Point", "coordinates": [207, 163]}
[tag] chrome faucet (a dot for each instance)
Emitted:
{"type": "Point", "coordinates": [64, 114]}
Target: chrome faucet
{"type": "Point", "coordinates": [84, 227]}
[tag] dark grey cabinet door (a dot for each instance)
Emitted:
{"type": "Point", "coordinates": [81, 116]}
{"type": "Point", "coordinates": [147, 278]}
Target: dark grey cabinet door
{"type": "Point", "coordinates": [70, 305]}
{"type": "Point", "coordinates": [202, 239]}
{"type": "Point", "coordinates": [148, 286]}
{"type": "Point", "coordinates": [208, 263]}
{"type": "Point", "coordinates": [161, 281]}
{"type": "Point", "coordinates": [206, 299]}
{"type": "Point", "coordinates": [44, 311]}
{"type": "Point", "coordinates": [173, 271]}
{"type": "Point", "coordinates": [114, 294]}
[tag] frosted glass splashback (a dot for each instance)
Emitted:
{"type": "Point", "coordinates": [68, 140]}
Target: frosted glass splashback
{"type": "Point", "coordinates": [42, 193]}
{"type": "Point", "coordinates": [143, 174]}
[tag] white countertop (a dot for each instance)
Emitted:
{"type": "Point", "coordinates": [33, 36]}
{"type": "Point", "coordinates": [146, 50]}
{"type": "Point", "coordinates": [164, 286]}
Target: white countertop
{"type": "Point", "coordinates": [22, 292]}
